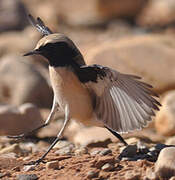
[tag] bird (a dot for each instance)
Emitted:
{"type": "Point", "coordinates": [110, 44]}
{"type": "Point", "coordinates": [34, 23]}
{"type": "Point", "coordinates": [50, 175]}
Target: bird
{"type": "Point", "coordinates": [93, 95]}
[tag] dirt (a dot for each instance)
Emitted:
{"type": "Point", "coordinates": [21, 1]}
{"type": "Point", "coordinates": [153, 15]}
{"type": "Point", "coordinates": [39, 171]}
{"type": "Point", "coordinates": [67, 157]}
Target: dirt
{"type": "Point", "coordinates": [76, 167]}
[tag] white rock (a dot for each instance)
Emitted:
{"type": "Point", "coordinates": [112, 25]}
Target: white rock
{"type": "Point", "coordinates": [52, 165]}
{"type": "Point", "coordinates": [23, 82]}
{"type": "Point", "coordinates": [90, 135]}
{"type": "Point", "coordinates": [17, 120]}
{"type": "Point", "coordinates": [165, 119]}
{"type": "Point", "coordinates": [165, 164]}
{"type": "Point", "coordinates": [138, 60]}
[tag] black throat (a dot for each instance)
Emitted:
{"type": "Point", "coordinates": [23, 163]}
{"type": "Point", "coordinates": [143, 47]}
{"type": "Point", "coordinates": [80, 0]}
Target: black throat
{"type": "Point", "coordinates": [62, 54]}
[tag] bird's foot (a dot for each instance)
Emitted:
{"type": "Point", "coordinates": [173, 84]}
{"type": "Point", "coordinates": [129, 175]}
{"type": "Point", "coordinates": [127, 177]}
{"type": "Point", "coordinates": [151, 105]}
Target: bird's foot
{"type": "Point", "coordinates": [37, 162]}
{"type": "Point", "coordinates": [21, 136]}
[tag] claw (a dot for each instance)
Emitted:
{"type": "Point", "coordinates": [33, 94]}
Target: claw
{"type": "Point", "coordinates": [17, 137]}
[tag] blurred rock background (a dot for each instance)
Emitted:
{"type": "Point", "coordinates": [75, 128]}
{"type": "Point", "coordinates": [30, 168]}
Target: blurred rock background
{"type": "Point", "coordinates": [134, 37]}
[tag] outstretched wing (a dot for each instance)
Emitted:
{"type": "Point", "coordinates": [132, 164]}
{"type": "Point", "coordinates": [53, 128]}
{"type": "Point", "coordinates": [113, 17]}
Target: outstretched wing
{"type": "Point", "coordinates": [40, 26]}
{"type": "Point", "coordinates": [121, 101]}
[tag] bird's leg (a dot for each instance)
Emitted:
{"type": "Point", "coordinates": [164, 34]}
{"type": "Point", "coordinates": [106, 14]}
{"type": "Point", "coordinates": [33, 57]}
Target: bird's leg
{"type": "Point", "coordinates": [55, 141]}
{"type": "Point", "coordinates": [50, 117]}
{"type": "Point", "coordinates": [117, 135]}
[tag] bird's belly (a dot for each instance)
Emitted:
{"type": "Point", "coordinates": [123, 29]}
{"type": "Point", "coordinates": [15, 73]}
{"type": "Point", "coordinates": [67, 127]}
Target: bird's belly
{"type": "Point", "coordinates": [70, 92]}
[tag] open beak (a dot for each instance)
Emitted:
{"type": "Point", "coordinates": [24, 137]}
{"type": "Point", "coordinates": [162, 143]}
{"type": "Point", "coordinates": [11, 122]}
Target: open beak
{"type": "Point", "coordinates": [32, 53]}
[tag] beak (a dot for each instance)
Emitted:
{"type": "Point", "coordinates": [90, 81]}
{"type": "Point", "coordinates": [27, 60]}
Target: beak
{"type": "Point", "coordinates": [32, 53]}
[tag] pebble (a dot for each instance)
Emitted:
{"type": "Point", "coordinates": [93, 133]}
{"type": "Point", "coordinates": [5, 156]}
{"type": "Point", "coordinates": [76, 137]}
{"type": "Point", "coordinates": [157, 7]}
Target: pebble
{"type": "Point", "coordinates": [165, 165]}
{"type": "Point", "coordinates": [150, 175]}
{"type": "Point", "coordinates": [132, 140]}
{"type": "Point", "coordinates": [64, 151]}
{"type": "Point", "coordinates": [92, 174]}
{"type": "Point", "coordinates": [29, 168]}
{"type": "Point", "coordinates": [52, 165]}
{"type": "Point", "coordinates": [170, 141]}
{"type": "Point", "coordinates": [81, 150]}
{"type": "Point", "coordinates": [164, 120]}
{"type": "Point", "coordinates": [10, 155]}
{"type": "Point", "coordinates": [132, 175]}
{"type": "Point", "coordinates": [103, 160]}
{"type": "Point", "coordinates": [105, 152]}
{"type": "Point", "coordinates": [107, 167]}
{"type": "Point", "coordinates": [94, 153]}
{"type": "Point", "coordinates": [16, 168]}
{"type": "Point", "coordinates": [2, 175]}
{"type": "Point", "coordinates": [13, 148]}
{"type": "Point", "coordinates": [26, 158]}
{"type": "Point", "coordinates": [27, 177]}
{"type": "Point", "coordinates": [63, 144]}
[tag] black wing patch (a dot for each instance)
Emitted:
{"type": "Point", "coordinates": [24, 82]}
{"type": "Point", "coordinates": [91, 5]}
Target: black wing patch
{"type": "Point", "coordinates": [40, 26]}
{"type": "Point", "coordinates": [90, 73]}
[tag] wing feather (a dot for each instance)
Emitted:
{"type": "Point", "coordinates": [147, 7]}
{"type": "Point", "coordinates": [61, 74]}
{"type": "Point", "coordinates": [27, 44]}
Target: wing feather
{"type": "Point", "coordinates": [123, 102]}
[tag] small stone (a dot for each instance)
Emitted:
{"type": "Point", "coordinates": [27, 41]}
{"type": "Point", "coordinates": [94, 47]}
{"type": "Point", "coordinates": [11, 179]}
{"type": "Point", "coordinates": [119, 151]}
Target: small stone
{"type": "Point", "coordinates": [2, 175]}
{"type": "Point", "coordinates": [107, 167]}
{"type": "Point", "coordinates": [63, 144]}
{"type": "Point", "coordinates": [88, 137]}
{"type": "Point", "coordinates": [94, 153]}
{"type": "Point", "coordinates": [26, 158]}
{"type": "Point", "coordinates": [29, 168]}
{"type": "Point", "coordinates": [170, 141]}
{"type": "Point", "coordinates": [132, 176]}
{"type": "Point", "coordinates": [105, 152]}
{"type": "Point", "coordinates": [164, 120]}
{"type": "Point", "coordinates": [27, 177]}
{"type": "Point", "coordinates": [11, 149]}
{"type": "Point", "coordinates": [165, 165]}
{"type": "Point", "coordinates": [52, 165]}
{"type": "Point", "coordinates": [64, 151]}
{"type": "Point", "coordinates": [10, 155]}
{"type": "Point", "coordinates": [128, 152]}
{"type": "Point", "coordinates": [92, 174]}
{"type": "Point", "coordinates": [103, 160]}
{"type": "Point", "coordinates": [150, 175]}
{"type": "Point", "coordinates": [17, 168]}
{"type": "Point", "coordinates": [81, 150]}
{"type": "Point", "coordinates": [132, 140]}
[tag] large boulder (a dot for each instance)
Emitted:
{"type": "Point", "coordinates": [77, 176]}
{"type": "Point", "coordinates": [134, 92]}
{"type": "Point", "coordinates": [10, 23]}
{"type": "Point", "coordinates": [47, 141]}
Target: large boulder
{"type": "Point", "coordinates": [165, 119]}
{"type": "Point", "coordinates": [21, 82]}
{"type": "Point", "coordinates": [17, 120]}
{"type": "Point", "coordinates": [18, 42]}
{"type": "Point", "coordinates": [149, 56]}
{"type": "Point", "coordinates": [165, 165]}
{"type": "Point", "coordinates": [80, 13]}
{"type": "Point", "coordinates": [157, 13]}
{"type": "Point", "coordinates": [77, 12]}
{"type": "Point", "coordinates": [12, 15]}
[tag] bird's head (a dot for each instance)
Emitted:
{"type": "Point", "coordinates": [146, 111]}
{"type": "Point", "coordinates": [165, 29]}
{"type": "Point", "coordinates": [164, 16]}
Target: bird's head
{"type": "Point", "coordinates": [57, 48]}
